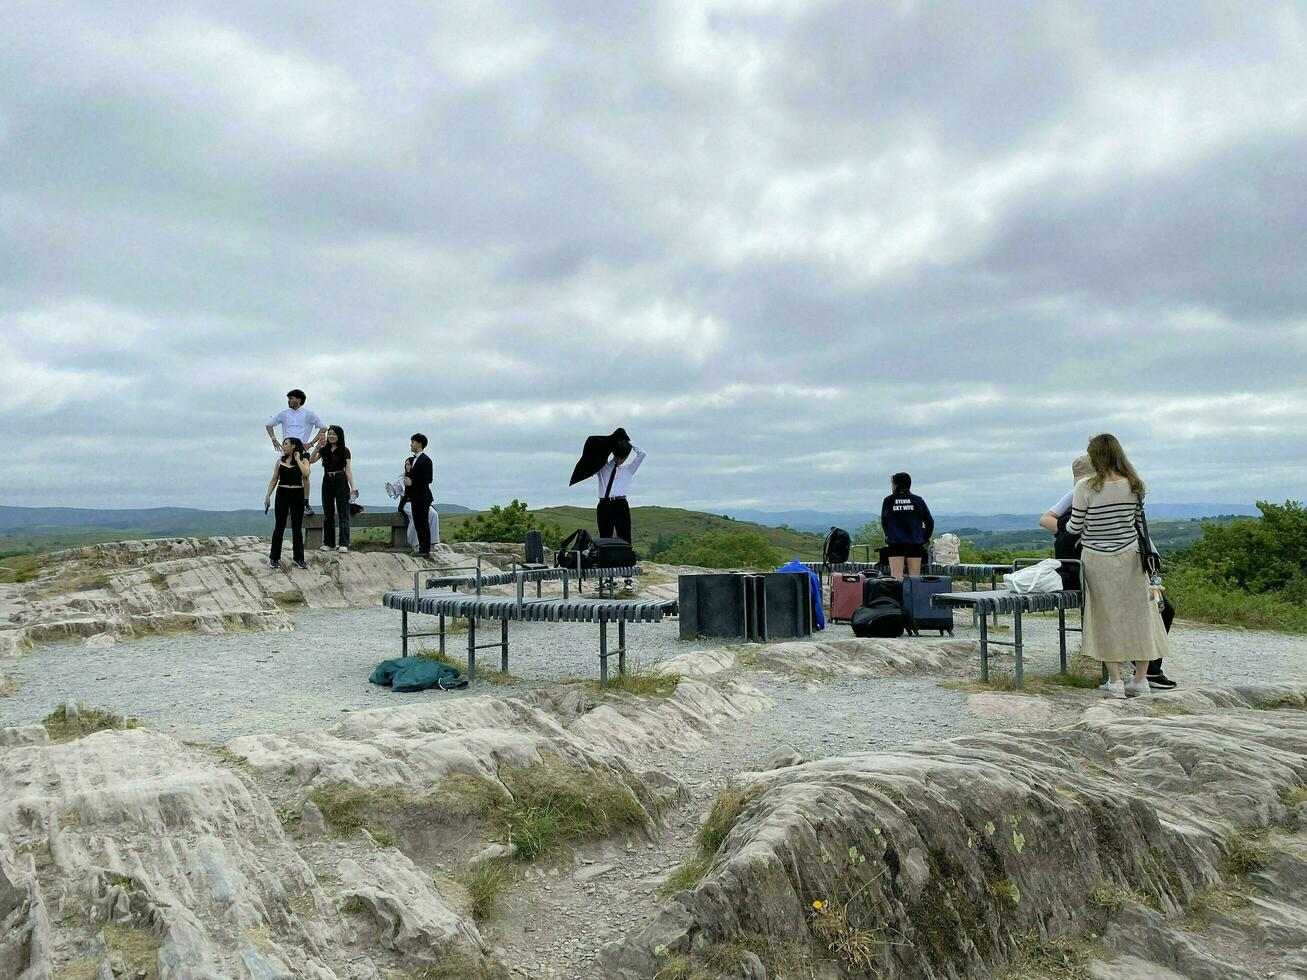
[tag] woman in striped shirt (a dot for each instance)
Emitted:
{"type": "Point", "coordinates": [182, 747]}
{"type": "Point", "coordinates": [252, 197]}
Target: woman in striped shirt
{"type": "Point", "coordinates": [1121, 622]}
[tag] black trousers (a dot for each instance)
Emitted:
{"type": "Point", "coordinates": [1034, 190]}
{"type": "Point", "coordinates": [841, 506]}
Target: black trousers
{"type": "Point", "coordinates": [1168, 616]}
{"type": "Point", "coordinates": [289, 503]}
{"type": "Point", "coordinates": [613, 515]}
{"type": "Point", "coordinates": [422, 522]}
{"type": "Point", "coordinates": [335, 506]}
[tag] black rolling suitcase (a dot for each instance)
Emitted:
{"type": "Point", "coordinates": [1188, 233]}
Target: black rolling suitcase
{"type": "Point", "coordinates": [917, 590]}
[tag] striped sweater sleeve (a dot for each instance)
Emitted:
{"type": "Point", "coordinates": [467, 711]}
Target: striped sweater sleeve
{"type": "Point", "coordinates": [1079, 505]}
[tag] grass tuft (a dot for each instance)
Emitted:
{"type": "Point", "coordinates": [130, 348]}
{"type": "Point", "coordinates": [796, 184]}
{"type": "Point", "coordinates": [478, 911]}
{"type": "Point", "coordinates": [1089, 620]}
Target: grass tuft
{"type": "Point", "coordinates": [1055, 959]}
{"type": "Point", "coordinates": [686, 876]}
{"type": "Point", "coordinates": [723, 815]}
{"type": "Point", "coordinates": [721, 818]}
{"type": "Point", "coordinates": [553, 804]}
{"type": "Point", "coordinates": [441, 658]}
{"type": "Point", "coordinates": [135, 948]}
{"type": "Point", "coordinates": [87, 721]}
{"type": "Point", "coordinates": [485, 885]}
{"type": "Point", "coordinates": [344, 805]}
{"type": "Point", "coordinates": [1244, 855]}
{"type": "Point", "coordinates": [855, 945]}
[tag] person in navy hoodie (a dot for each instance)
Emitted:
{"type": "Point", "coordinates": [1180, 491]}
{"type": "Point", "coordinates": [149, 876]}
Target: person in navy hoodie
{"type": "Point", "coordinates": [908, 525]}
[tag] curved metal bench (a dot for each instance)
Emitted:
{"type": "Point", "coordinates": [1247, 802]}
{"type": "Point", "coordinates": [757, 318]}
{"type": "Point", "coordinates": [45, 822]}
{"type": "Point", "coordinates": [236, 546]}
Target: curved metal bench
{"type": "Point", "coordinates": [1016, 603]}
{"type": "Point", "coordinates": [509, 608]}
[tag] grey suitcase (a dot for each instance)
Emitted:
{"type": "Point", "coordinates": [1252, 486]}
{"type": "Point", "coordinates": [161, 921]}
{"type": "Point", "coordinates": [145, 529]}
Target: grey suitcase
{"type": "Point", "coordinates": [921, 615]}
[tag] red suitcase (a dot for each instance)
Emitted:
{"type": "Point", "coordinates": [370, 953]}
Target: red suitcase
{"type": "Point", "coordinates": [845, 595]}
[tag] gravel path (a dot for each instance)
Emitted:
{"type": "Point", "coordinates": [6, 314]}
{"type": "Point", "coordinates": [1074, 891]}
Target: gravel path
{"type": "Point", "coordinates": [214, 688]}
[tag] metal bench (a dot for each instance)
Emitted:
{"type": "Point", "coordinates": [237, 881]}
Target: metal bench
{"type": "Point", "coordinates": [529, 573]}
{"type": "Point", "coordinates": [473, 606]}
{"type": "Point", "coordinates": [1016, 603]}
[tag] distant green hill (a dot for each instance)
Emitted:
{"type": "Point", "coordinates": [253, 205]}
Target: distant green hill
{"type": "Point", "coordinates": [1169, 536]}
{"type": "Point", "coordinates": [655, 527]}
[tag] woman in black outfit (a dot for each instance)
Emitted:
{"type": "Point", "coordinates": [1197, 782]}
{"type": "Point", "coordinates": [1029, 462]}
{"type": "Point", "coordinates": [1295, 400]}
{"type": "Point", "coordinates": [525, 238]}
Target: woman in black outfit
{"type": "Point", "coordinates": [288, 478]}
{"type": "Point", "coordinates": [337, 487]}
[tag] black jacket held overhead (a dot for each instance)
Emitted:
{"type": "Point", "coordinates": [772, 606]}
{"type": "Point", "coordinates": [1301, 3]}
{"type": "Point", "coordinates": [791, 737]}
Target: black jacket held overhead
{"type": "Point", "coordinates": [595, 454]}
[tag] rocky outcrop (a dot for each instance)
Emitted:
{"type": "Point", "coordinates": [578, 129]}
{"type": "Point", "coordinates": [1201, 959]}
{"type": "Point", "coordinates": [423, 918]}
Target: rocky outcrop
{"type": "Point", "coordinates": [951, 859]}
{"type": "Point", "coordinates": [108, 592]}
{"type": "Point", "coordinates": [861, 657]}
{"type": "Point", "coordinates": [127, 851]}
{"type": "Point", "coordinates": [417, 747]}
{"type": "Point", "coordinates": [305, 855]}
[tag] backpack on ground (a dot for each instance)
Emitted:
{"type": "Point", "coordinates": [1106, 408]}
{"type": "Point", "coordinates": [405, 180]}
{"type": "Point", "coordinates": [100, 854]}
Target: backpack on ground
{"type": "Point", "coordinates": [578, 540]}
{"type": "Point", "coordinates": [836, 548]}
{"type": "Point", "coordinates": [882, 618]}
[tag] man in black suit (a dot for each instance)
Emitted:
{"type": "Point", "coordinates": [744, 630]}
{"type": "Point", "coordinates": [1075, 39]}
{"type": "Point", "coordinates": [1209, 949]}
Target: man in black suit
{"type": "Point", "coordinates": [417, 491]}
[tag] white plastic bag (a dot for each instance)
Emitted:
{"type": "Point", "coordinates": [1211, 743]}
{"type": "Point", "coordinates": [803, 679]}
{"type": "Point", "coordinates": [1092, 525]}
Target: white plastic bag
{"type": "Point", "coordinates": [1035, 578]}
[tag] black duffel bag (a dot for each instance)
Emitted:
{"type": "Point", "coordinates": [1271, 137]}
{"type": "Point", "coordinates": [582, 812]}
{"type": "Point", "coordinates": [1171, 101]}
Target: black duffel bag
{"type": "Point", "coordinates": [578, 540]}
{"type": "Point", "coordinates": [613, 553]}
{"type": "Point", "coordinates": [881, 618]}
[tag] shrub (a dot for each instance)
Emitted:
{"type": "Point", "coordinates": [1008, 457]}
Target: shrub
{"type": "Point", "coordinates": [722, 549]}
{"type": "Point", "coordinates": [509, 523]}
{"type": "Point", "coordinates": [1257, 555]}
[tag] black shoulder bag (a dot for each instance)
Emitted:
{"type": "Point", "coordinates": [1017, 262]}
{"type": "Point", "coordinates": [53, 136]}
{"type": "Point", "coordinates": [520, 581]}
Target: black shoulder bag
{"type": "Point", "coordinates": [1148, 556]}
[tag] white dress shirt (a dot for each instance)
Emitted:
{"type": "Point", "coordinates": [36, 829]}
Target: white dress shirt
{"type": "Point", "coordinates": [296, 423]}
{"type": "Point", "coordinates": [621, 482]}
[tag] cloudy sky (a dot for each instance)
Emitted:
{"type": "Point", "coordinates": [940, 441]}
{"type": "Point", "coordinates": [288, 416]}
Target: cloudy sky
{"type": "Point", "coordinates": [791, 246]}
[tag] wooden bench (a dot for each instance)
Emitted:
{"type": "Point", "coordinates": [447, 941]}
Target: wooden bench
{"type": "Point", "coordinates": [390, 518]}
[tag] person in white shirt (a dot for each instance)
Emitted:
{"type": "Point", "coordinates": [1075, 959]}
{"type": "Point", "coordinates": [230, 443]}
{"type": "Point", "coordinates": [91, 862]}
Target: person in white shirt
{"type": "Point", "coordinates": [297, 422]}
{"type": "Point", "coordinates": [613, 514]}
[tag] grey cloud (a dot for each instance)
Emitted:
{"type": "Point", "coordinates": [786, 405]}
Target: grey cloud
{"type": "Point", "coordinates": [794, 247]}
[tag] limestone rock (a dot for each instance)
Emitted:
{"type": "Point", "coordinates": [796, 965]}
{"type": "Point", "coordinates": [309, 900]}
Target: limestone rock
{"type": "Point", "coordinates": [960, 849]}
{"type": "Point", "coordinates": [781, 757]}
{"type": "Point", "coordinates": [863, 657]}
{"type": "Point", "coordinates": [492, 853]}
{"type": "Point", "coordinates": [132, 834]}
{"type": "Point", "coordinates": [108, 592]}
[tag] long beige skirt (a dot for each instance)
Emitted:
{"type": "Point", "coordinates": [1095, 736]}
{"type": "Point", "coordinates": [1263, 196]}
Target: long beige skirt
{"type": "Point", "coordinates": [1121, 622]}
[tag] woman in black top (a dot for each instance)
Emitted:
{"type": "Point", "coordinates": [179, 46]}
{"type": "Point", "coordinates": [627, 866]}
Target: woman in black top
{"type": "Point", "coordinates": [337, 487]}
{"type": "Point", "coordinates": [288, 478]}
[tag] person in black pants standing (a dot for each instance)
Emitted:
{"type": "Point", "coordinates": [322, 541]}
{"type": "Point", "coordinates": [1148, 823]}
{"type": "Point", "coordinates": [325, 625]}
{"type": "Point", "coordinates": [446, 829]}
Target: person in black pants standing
{"type": "Point", "coordinates": [908, 525]}
{"type": "Point", "coordinates": [613, 514]}
{"type": "Point", "coordinates": [338, 487]}
{"type": "Point", "coordinates": [288, 479]}
{"type": "Point", "coordinates": [418, 492]}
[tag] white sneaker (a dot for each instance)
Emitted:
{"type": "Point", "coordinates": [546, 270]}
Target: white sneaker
{"type": "Point", "coordinates": [1113, 689]}
{"type": "Point", "coordinates": [343, 549]}
{"type": "Point", "coordinates": [1137, 690]}
{"type": "Point", "coordinates": [326, 547]}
